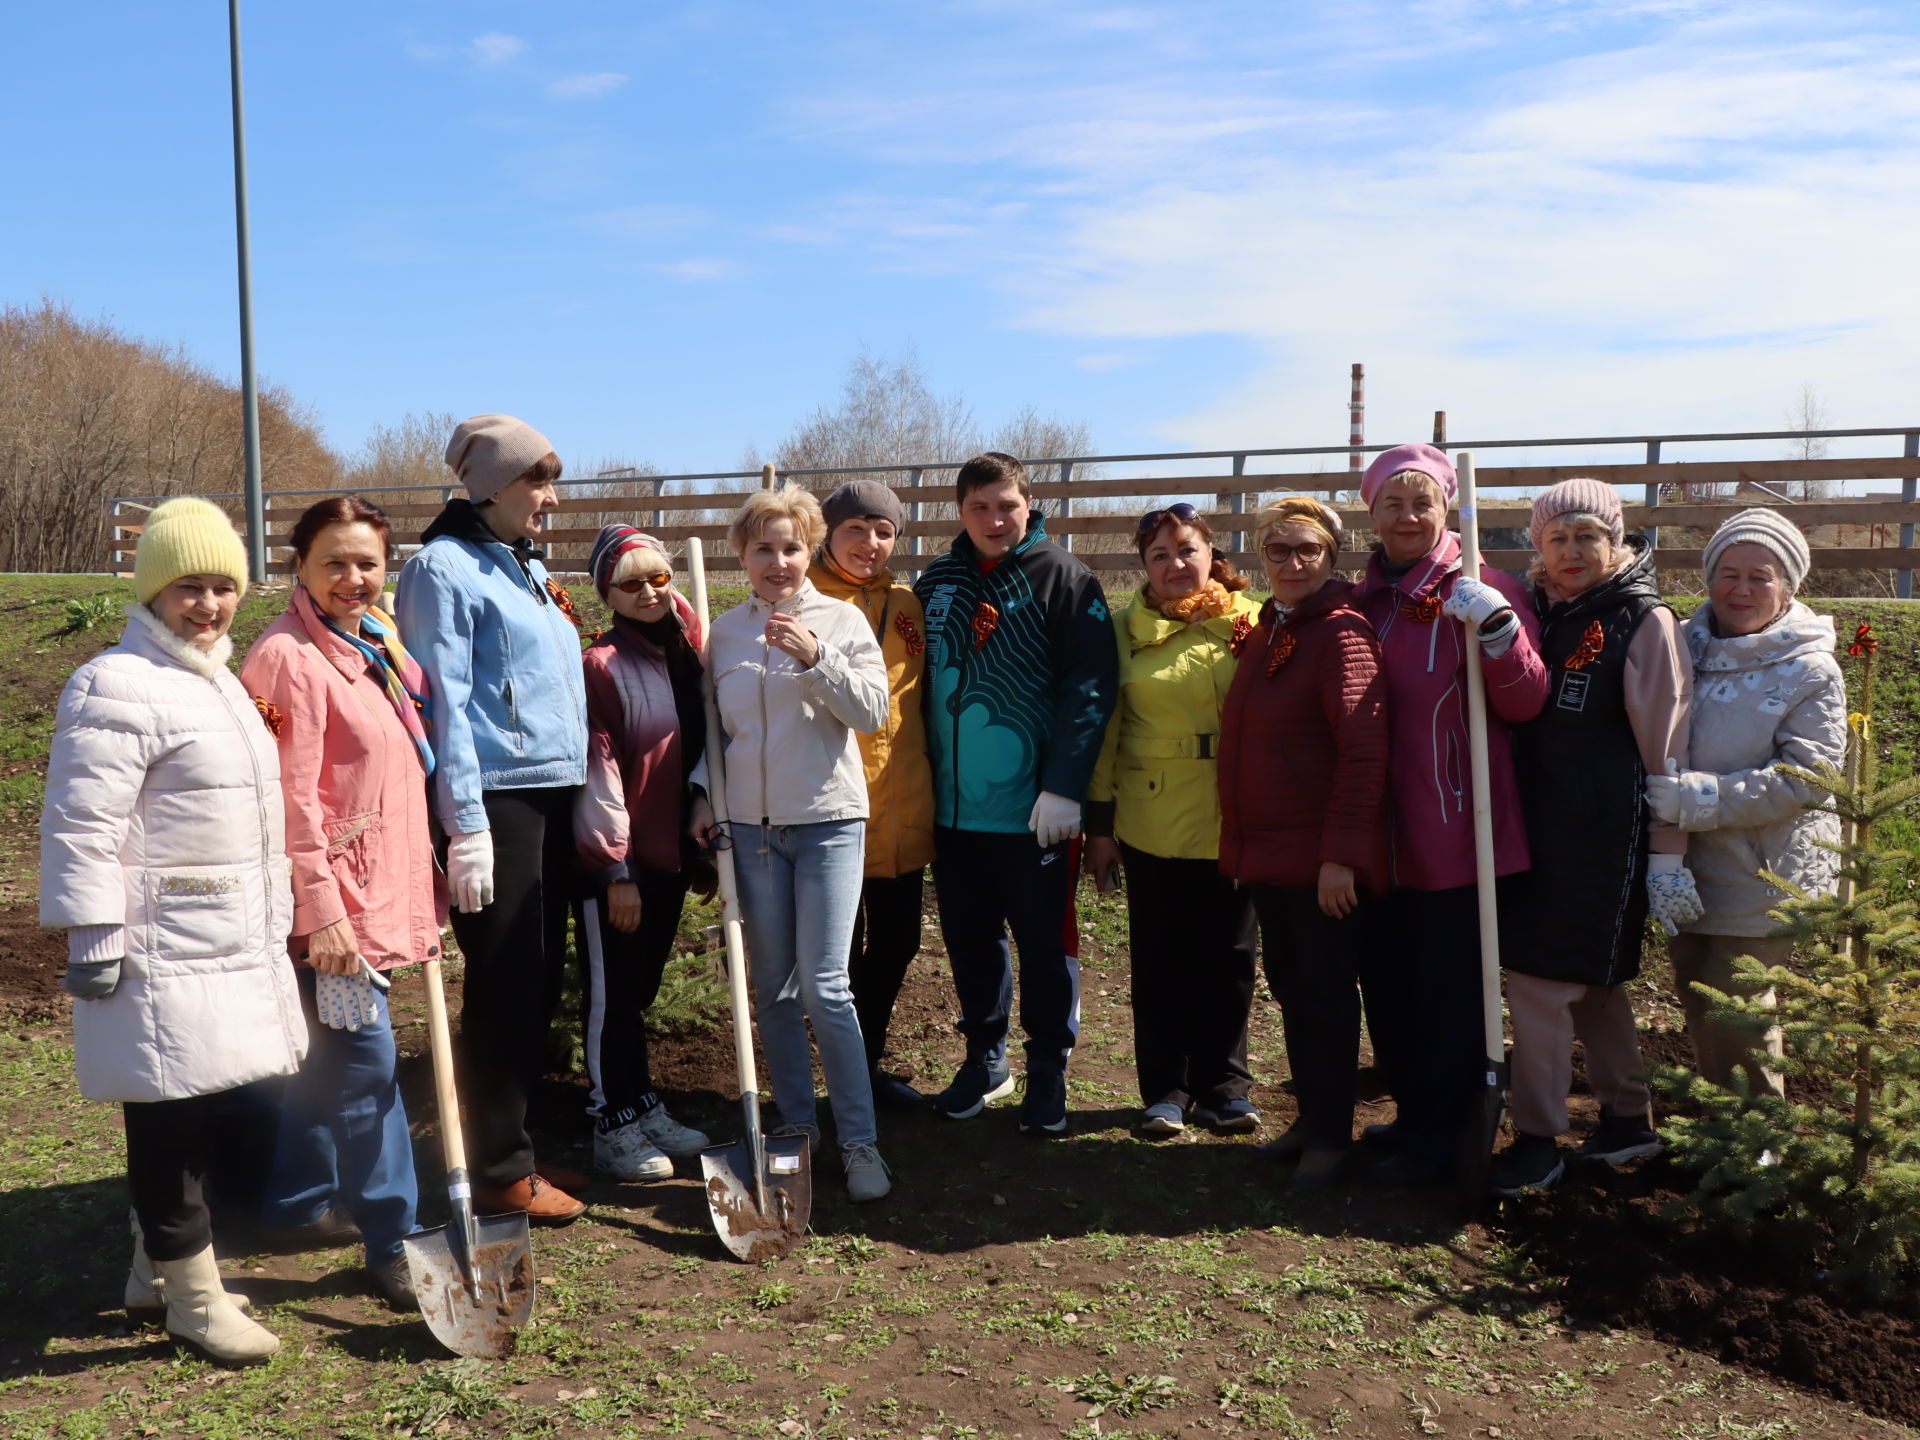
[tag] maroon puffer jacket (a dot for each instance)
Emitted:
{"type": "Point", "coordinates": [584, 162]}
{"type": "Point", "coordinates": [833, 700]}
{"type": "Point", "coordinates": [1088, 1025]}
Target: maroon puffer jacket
{"type": "Point", "coordinates": [1303, 748]}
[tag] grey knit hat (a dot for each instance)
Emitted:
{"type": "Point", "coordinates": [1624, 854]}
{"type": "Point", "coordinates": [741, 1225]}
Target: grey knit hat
{"type": "Point", "coordinates": [862, 500]}
{"type": "Point", "coordinates": [1761, 526]}
{"type": "Point", "coordinates": [490, 452]}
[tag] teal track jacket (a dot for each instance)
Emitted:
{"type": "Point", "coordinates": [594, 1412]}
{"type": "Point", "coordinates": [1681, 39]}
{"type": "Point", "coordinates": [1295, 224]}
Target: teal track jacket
{"type": "Point", "coordinates": [1022, 674]}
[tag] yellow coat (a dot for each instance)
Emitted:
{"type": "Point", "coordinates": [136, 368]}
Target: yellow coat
{"type": "Point", "coordinates": [899, 778]}
{"type": "Point", "coordinates": [1157, 765]}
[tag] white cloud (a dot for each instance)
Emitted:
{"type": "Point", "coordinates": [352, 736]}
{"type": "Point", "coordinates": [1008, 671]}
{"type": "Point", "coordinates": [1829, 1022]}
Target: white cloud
{"type": "Point", "coordinates": [586, 87]}
{"type": "Point", "coordinates": [494, 48]}
{"type": "Point", "coordinates": [1672, 233]}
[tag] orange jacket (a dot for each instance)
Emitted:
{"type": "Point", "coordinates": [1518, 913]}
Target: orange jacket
{"type": "Point", "coordinates": [899, 779]}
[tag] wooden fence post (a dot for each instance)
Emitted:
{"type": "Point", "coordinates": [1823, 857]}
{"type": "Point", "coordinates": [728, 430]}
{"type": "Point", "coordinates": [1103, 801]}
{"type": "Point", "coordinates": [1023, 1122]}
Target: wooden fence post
{"type": "Point", "coordinates": [1903, 580]}
{"type": "Point", "coordinates": [1066, 504]}
{"type": "Point", "coordinates": [1653, 493]}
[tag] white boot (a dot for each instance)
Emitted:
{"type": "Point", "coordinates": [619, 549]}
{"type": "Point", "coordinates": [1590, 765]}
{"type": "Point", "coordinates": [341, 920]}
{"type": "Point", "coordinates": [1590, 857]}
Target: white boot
{"type": "Point", "coordinates": [200, 1312]}
{"type": "Point", "coordinates": [146, 1298]}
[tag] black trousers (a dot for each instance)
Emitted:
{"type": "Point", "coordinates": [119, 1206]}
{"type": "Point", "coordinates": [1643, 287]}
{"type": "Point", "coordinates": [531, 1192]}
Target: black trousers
{"type": "Point", "coordinates": [1313, 966]}
{"type": "Point", "coordinates": [622, 978]}
{"type": "Point", "coordinates": [514, 950]}
{"type": "Point", "coordinates": [169, 1146]}
{"type": "Point", "coordinates": [886, 937]}
{"type": "Point", "coordinates": [1421, 968]}
{"type": "Point", "coordinates": [1191, 934]}
{"type": "Point", "coordinates": [987, 884]}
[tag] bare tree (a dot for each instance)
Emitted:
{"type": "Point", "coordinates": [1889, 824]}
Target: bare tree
{"type": "Point", "coordinates": [1809, 413]}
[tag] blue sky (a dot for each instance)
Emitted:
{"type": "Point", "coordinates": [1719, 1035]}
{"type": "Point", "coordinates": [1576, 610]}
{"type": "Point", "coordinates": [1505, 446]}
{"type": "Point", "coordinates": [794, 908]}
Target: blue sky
{"type": "Point", "coordinates": [660, 231]}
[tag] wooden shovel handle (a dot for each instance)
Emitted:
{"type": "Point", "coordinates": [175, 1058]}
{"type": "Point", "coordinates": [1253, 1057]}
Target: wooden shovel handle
{"type": "Point", "coordinates": [453, 1143]}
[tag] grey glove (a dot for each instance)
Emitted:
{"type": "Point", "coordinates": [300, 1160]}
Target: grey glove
{"type": "Point", "coordinates": [91, 979]}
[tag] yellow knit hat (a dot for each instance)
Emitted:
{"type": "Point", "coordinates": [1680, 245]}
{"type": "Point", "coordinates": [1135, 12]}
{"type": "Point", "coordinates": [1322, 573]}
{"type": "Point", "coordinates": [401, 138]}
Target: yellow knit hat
{"type": "Point", "coordinates": [186, 536]}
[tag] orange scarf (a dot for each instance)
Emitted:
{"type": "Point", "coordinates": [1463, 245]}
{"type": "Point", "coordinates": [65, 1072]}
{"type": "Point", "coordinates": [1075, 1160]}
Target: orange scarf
{"type": "Point", "coordinates": [1209, 602]}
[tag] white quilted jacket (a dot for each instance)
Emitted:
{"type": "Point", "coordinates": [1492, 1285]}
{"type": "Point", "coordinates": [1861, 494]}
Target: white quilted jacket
{"type": "Point", "coordinates": [163, 814]}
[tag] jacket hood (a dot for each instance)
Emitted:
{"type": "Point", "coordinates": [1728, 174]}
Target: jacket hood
{"type": "Point", "coordinates": [1147, 626]}
{"type": "Point", "coordinates": [1796, 634]}
{"type": "Point", "coordinates": [1330, 596]}
{"type": "Point", "coordinates": [146, 635]}
{"type": "Point", "coordinates": [1636, 577]}
{"type": "Point", "coordinates": [461, 520]}
{"type": "Point", "coordinates": [1428, 571]}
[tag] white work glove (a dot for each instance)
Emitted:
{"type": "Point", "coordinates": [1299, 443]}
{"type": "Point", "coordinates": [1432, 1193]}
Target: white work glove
{"type": "Point", "coordinates": [470, 871]}
{"type": "Point", "coordinates": [1484, 610]}
{"type": "Point", "coordinates": [1672, 897]}
{"type": "Point", "coordinates": [1054, 818]}
{"type": "Point", "coordinates": [345, 1002]}
{"type": "Point", "coordinates": [1687, 798]}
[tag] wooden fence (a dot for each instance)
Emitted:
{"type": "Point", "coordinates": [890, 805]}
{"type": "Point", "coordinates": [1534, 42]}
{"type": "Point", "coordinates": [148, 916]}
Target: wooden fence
{"type": "Point", "coordinates": [1845, 534]}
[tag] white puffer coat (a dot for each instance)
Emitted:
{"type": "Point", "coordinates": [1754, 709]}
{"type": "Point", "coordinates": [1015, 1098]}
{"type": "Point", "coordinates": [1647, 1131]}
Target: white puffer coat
{"type": "Point", "coordinates": [163, 814]}
{"type": "Point", "coordinates": [1759, 700]}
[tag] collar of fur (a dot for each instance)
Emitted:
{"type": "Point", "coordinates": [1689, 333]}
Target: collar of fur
{"type": "Point", "coordinates": [208, 662]}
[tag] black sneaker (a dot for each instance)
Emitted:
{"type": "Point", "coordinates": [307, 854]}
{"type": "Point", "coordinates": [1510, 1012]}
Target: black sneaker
{"type": "Point", "coordinates": [1229, 1117]}
{"type": "Point", "coordinates": [890, 1092]}
{"type": "Point", "coordinates": [1043, 1110]}
{"type": "Point", "coordinates": [1532, 1162]}
{"type": "Point", "coordinates": [974, 1087]}
{"type": "Point", "coordinates": [392, 1280]}
{"type": "Point", "coordinates": [1621, 1138]}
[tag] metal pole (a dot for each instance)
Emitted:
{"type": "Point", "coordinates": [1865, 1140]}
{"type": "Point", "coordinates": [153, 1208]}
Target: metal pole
{"type": "Point", "coordinates": [1903, 579]}
{"type": "Point", "coordinates": [1653, 492]}
{"type": "Point", "coordinates": [913, 508]}
{"type": "Point", "coordinates": [1237, 503]}
{"type": "Point", "coordinates": [249, 389]}
{"type": "Point", "coordinates": [1066, 505]}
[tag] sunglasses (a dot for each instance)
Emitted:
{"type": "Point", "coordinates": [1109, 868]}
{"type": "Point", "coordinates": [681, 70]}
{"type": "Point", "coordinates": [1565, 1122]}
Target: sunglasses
{"type": "Point", "coordinates": [1310, 553]}
{"type": "Point", "coordinates": [1151, 521]}
{"type": "Point", "coordinates": [631, 585]}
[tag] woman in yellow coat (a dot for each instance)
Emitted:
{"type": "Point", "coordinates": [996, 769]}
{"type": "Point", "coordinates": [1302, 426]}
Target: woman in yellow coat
{"type": "Point", "coordinates": [1154, 810]}
{"type": "Point", "coordinates": [864, 520]}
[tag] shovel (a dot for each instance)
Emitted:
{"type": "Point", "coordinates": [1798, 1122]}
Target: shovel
{"type": "Point", "coordinates": [474, 1276]}
{"type": "Point", "coordinates": [1483, 1125]}
{"type": "Point", "coordinates": [759, 1190]}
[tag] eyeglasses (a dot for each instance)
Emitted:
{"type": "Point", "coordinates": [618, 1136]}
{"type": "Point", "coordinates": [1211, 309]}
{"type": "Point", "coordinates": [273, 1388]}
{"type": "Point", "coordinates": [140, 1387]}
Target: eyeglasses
{"type": "Point", "coordinates": [1309, 554]}
{"type": "Point", "coordinates": [1183, 512]}
{"type": "Point", "coordinates": [631, 586]}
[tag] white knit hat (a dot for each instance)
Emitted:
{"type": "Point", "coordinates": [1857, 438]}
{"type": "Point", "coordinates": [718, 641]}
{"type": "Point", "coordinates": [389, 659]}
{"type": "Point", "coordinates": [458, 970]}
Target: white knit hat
{"type": "Point", "coordinates": [1769, 528]}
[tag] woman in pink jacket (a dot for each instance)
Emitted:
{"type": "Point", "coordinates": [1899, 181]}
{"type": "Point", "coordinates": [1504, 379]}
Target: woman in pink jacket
{"type": "Point", "coordinates": [1422, 953]}
{"type": "Point", "coordinates": [347, 707]}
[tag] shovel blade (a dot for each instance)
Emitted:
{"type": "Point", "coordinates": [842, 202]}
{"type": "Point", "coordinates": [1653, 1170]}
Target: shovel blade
{"type": "Point", "coordinates": [750, 1233]}
{"type": "Point", "coordinates": [479, 1320]}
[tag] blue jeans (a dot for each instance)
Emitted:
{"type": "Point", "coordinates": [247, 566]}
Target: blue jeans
{"type": "Point", "coordinates": [343, 1136]}
{"type": "Point", "coordinates": [799, 890]}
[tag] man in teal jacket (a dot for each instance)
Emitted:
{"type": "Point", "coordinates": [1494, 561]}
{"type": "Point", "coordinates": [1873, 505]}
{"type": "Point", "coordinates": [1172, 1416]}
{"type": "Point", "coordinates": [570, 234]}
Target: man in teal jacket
{"type": "Point", "coordinates": [1022, 675]}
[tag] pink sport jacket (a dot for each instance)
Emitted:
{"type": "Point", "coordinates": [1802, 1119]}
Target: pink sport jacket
{"type": "Point", "coordinates": [1425, 661]}
{"type": "Point", "coordinates": [355, 790]}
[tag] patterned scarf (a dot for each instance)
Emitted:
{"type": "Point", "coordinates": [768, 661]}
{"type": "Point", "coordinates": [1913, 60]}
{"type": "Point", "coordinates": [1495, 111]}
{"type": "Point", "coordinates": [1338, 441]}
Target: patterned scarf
{"type": "Point", "coordinates": [1209, 602]}
{"type": "Point", "coordinates": [405, 683]}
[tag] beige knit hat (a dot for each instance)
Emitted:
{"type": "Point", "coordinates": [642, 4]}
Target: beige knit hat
{"type": "Point", "coordinates": [1769, 528]}
{"type": "Point", "coordinates": [490, 452]}
{"type": "Point", "coordinates": [1578, 495]}
{"type": "Point", "coordinates": [186, 536]}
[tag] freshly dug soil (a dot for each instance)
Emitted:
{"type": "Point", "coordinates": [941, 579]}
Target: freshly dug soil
{"type": "Point", "coordinates": [1623, 1265]}
{"type": "Point", "coordinates": [31, 960]}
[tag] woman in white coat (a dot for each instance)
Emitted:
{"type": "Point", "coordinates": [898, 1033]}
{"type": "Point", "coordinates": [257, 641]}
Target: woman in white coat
{"type": "Point", "coordinates": [798, 680]}
{"type": "Point", "coordinates": [1767, 690]}
{"type": "Point", "coordinates": [162, 856]}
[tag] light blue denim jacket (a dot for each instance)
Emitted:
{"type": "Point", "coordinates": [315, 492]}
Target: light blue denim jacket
{"type": "Point", "coordinates": [510, 705]}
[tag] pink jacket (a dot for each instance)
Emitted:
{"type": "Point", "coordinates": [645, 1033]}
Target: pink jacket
{"type": "Point", "coordinates": [355, 792]}
{"type": "Point", "coordinates": [1424, 657]}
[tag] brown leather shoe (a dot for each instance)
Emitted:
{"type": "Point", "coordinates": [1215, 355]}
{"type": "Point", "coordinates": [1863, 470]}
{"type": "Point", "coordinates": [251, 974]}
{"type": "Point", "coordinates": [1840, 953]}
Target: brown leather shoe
{"type": "Point", "coordinates": [544, 1202]}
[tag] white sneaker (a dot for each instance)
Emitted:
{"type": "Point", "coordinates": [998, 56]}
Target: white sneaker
{"type": "Point", "coordinates": [627, 1154]}
{"type": "Point", "coordinates": [866, 1172]}
{"type": "Point", "coordinates": [669, 1134]}
{"type": "Point", "coordinates": [1163, 1119]}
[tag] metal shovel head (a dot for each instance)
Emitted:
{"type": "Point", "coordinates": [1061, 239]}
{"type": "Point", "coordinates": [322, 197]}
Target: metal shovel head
{"type": "Point", "coordinates": [751, 1233]}
{"type": "Point", "coordinates": [477, 1321]}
